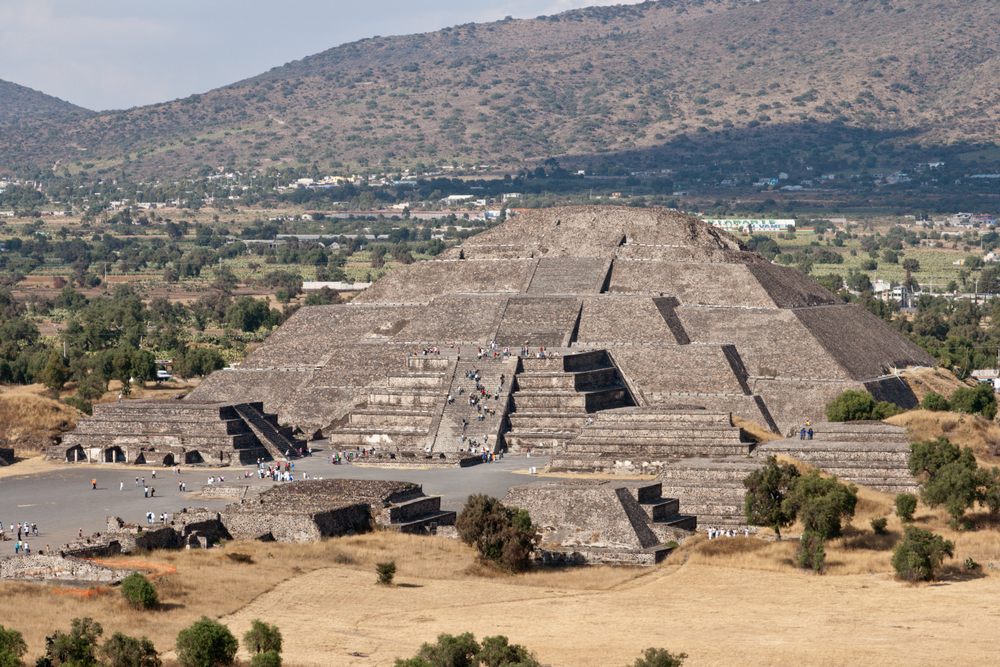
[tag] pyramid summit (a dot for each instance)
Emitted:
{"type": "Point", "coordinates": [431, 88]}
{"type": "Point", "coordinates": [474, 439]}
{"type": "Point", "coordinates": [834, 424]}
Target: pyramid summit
{"type": "Point", "coordinates": [639, 310]}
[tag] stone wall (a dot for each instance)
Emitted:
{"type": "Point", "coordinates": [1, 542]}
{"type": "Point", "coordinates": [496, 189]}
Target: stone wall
{"type": "Point", "coordinates": [250, 522]}
{"type": "Point", "coordinates": [6, 456]}
{"type": "Point", "coordinates": [48, 567]}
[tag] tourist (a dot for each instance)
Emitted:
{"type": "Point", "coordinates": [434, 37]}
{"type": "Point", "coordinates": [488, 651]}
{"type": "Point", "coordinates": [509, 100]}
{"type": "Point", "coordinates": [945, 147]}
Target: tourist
{"type": "Point", "coordinates": [93, 484]}
{"type": "Point", "coordinates": [121, 485]}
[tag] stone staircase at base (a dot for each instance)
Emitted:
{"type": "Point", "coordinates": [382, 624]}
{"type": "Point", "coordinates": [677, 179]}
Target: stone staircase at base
{"type": "Point", "coordinates": [419, 515]}
{"type": "Point", "coordinates": [276, 439]}
{"type": "Point", "coordinates": [871, 454]}
{"type": "Point", "coordinates": [711, 489]}
{"type": "Point", "coordinates": [553, 398]}
{"type": "Point", "coordinates": [663, 513]}
{"type": "Point", "coordinates": [405, 414]}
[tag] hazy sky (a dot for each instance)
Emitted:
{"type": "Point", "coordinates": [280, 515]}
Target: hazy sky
{"type": "Point", "coordinates": [116, 54]}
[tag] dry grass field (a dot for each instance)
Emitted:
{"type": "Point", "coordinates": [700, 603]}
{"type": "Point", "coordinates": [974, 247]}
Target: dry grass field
{"type": "Point", "coordinates": [982, 435]}
{"type": "Point", "coordinates": [724, 602]}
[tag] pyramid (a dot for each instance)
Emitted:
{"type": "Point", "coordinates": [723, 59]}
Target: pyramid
{"type": "Point", "coordinates": [647, 314]}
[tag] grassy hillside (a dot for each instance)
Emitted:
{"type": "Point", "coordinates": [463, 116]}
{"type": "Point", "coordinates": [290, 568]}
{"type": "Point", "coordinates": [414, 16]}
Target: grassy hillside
{"type": "Point", "coordinates": [648, 84]}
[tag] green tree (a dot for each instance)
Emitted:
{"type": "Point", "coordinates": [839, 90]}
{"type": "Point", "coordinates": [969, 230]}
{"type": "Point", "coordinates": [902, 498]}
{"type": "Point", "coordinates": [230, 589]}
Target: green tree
{"type": "Point", "coordinates": [811, 553]}
{"type": "Point", "coordinates": [123, 651]}
{"type": "Point", "coordinates": [906, 505]}
{"type": "Point", "coordinates": [503, 535]}
{"type": "Point", "coordinates": [954, 478]}
{"type": "Point", "coordinates": [920, 553]}
{"type": "Point", "coordinates": [498, 652]}
{"type": "Point", "coordinates": [249, 314]}
{"type": "Point", "coordinates": [449, 651]}
{"type": "Point", "coordinates": [77, 647]}
{"type": "Point", "coordinates": [262, 638]}
{"type": "Point", "coordinates": [850, 406]}
{"type": "Point", "coordinates": [266, 659]}
{"type": "Point", "coordinates": [767, 489]}
{"type": "Point", "coordinates": [821, 503]}
{"type": "Point", "coordinates": [979, 400]}
{"type": "Point", "coordinates": [55, 373]}
{"type": "Point", "coordinates": [139, 592]}
{"type": "Point", "coordinates": [658, 657]}
{"type": "Point", "coordinates": [12, 648]}
{"type": "Point", "coordinates": [935, 402]}
{"type": "Point", "coordinates": [386, 572]}
{"type": "Point", "coordinates": [206, 643]}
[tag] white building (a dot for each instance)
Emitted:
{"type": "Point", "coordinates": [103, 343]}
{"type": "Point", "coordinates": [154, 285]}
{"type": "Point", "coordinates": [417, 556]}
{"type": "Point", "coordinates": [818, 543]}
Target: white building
{"type": "Point", "coordinates": [747, 225]}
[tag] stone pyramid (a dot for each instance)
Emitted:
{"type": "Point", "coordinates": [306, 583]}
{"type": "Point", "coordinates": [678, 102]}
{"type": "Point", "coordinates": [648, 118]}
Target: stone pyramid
{"type": "Point", "coordinates": [639, 310]}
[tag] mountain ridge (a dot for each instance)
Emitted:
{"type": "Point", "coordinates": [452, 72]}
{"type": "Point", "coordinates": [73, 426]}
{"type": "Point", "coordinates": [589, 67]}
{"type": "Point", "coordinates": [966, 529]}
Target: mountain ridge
{"type": "Point", "coordinates": [661, 80]}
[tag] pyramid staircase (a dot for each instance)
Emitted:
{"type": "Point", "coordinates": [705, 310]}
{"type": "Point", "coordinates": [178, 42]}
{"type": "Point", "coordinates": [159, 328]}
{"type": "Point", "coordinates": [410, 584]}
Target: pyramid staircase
{"type": "Point", "coordinates": [711, 489]}
{"type": "Point", "coordinates": [449, 433]}
{"type": "Point", "coordinates": [405, 414]}
{"type": "Point", "coordinates": [417, 515]}
{"type": "Point", "coordinates": [276, 439]}
{"type": "Point", "coordinates": [554, 397]}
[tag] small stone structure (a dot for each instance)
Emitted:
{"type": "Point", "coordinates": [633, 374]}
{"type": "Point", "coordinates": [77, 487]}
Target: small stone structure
{"type": "Point", "coordinates": [602, 522]}
{"type": "Point", "coordinates": [49, 567]}
{"type": "Point", "coordinates": [171, 432]}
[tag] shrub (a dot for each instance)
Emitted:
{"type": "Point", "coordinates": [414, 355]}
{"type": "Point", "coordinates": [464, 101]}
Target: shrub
{"type": "Point", "coordinates": [77, 647]}
{"type": "Point", "coordinates": [935, 402]}
{"type": "Point", "coordinates": [879, 525]}
{"type": "Point", "coordinates": [954, 478]}
{"type": "Point", "coordinates": [919, 554]}
{"type": "Point", "coordinates": [465, 651]}
{"type": "Point", "coordinates": [386, 572]}
{"type": "Point", "coordinates": [978, 400]}
{"type": "Point", "coordinates": [139, 592]}
{"type": "Point", "coordinates": [12, 647]}
{"type": "Point", "coordinates": [206, 643]}
{"type": "Point", "coordinates": [262, 638]}
{"type": "Point", "coordinates": [658, 657]}
{"type": "Point", "coordinates": [857, 406]}
{"type": "Point", "coordinates": [503, 535]}
{"type": "Point", "coordinates": [767, 489]}
{"type": "Point", "coordinates": [906, 505]}
{"type": "Point", "coordinates": [821, 503]}
{"type": "Point", "coordinates": [266, 659]}
{"type": "Point", "coordinates": [811, 552]}
{"type": "Point", "coordinates": [123, 651]}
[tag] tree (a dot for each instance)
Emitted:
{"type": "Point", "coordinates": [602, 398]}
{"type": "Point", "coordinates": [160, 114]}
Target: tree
{"type": "Point", "coordinates": [906, 505]}
{"type": "Point", "coordinates": [55, 373]}
{"type": "Point", "coordinates": [12, 648]}
{"type": "Point", "coordinates": [920, 553]}
{"type": "Point", "coordinates": [911, 265]}
{"type": "Point", "coordinates": [498, 652]}
{"type": "Point", "coordinates": [821, 503]}
{"type": "Point", "coordinates": [262, 638]}
{"type": "Point", "coordinates": [658, 657]}
{"type": "Point", "coordinates": [206, 643]}
{"type": "Point", "coordinates": [767, 488]}
{"type": "Point", "coordinates": [123, 651]}
{"type": "Point", "coordinates": [139, 592]}
{"type": "Point", "coordinates": [386, 572]}
{"type": "Point", "coordinates": [978, 400]}
{"type": "Point", "coordinates": [449, 651]}
{"type": "Point", "coordinates": [954, 478]}
{"type": "Point", "coordinates": [935, 402]}
{"type": "Point", "coordinates": [249, 314]}
{"type": "Point", "coordinates": [503, 535]}
{"type": "Point", "coordinates": [75, 648]}
{"type": "Point", "coordinates": [850, 406]}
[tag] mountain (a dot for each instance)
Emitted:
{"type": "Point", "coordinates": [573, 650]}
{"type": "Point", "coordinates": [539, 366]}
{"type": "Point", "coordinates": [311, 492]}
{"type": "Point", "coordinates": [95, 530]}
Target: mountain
{"type": "Point", "coordinates": [19, 104]}
{"type": "Point", "coordinates": [848, 81]}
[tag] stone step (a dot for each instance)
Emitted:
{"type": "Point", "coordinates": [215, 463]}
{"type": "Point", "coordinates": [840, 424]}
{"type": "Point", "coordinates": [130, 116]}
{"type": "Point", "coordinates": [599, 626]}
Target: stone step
{"type": "Point", "coordinates": [657, 450]}
{"type": "Point", "coordinates": [163, 411]}
{"type": "Point", "coordinates": [536, 421]}
{"type": "Point", "coordinates": [420, 399]}
{"type": "Point", "coordinates": [134, 440]}
{"type": "Point", "coordinates": [378, 438]}
{"type": "Point", "coordinates": [681, 521]}
{"type": "Point", "coordinates": [389, 419]}
{"type": "Point", "coordinates": [662, 509]}
{"type": "Point", "coordinates": [414, 509]}
{"type": "Point", "coordinates": [706, 417]}
{"type": "Point", "coordinates": [640, 431]}
{"type": "Point", "coordinates": [541, 442]}
{"type": "Point", "coordinates": [416, 381]}
{"type": "Point", "coordinates": [535, 402]}
{"type": "Point", "coordinates": [426, 522]}
{"type": "Point", "coordinates": [428, 363]}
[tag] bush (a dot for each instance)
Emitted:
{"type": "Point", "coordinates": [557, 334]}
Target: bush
{"type": "Point", "coordinates": [503, 535]}
{"type": "Point", "coordinates": [206, 643]}
{"type": "Point", "coordinates": [139, 592]}
{"type": "Point", "coordinates": [465, 651]}
{"type": "Point", "coordinates": [266, 659]}
{"type": "Point", "coordinates": [980, 400]}
{"type": "Point", "coordinates": [821, 503]}
{"type": "Point", "coordinates": [850, 406]}
{"type": "Point", "coordinates": [919, 554]}
{"type": "Point", "coordinates": [879, 525]}
{"type": "Point", "coordinates": [75, 648]}
{"type": "Point", "coordinates": [906, 505]}
{"type": "Point", "coordinates": [767, 488]}
{"type": "Point", "coordinates": [123, 651]}
{"type": "Point", "coordinates": [386, 572]}
{"type": "Point", "coordinates": [658, 657]}
{"type": "Point", "coordinates": [935, 402]}
{"type": "Point", "coordinates": [12, 647]}
{"type": "Point", "coordinates": [954, 478]}
{"type": "Point", "coordinates": [262, 638]}
{"type": "Point", "coordinates": [811, 552]}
